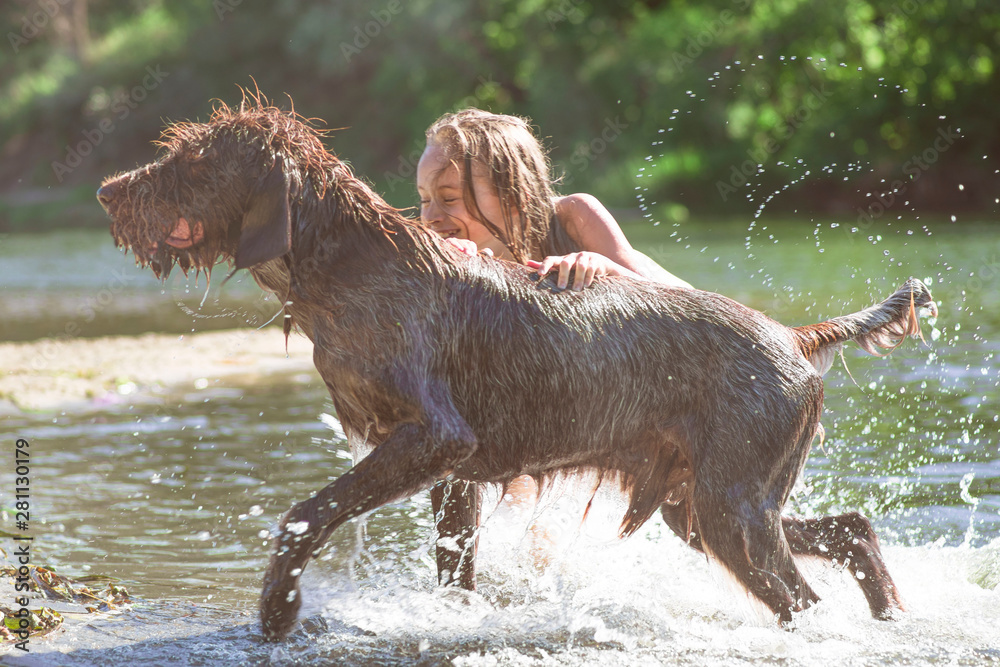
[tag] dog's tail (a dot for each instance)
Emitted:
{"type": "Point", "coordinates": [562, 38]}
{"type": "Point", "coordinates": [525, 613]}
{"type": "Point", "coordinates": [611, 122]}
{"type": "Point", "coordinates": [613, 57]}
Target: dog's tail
{"type": "Point", "coordinates": [884, 325]}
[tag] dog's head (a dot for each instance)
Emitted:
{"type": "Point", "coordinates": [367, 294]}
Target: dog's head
{"type": "Point", "coordinates": [219, 189]}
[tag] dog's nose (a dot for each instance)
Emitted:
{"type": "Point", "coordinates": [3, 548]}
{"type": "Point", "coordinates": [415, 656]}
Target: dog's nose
{"type": "Point", "coordinates": [105, 194]}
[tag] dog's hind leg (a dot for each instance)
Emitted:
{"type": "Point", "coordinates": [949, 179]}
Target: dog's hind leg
{"type": "Point", "coordinates": [748, 541]}
{"type": "Point", "coordinates": [411, 459]}
{"type": "Point", "coordinates": [456, 515]}
{"type": "Point", "coordinates": [849, 540]}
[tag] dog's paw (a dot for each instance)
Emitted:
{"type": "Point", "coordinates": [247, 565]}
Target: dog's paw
{"type": "Point", "coordinates": [280, 598]}
{"type": "Point", "coordinates": [280, 602]}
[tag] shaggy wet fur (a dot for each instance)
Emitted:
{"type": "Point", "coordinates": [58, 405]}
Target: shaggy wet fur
{"type": "Point", "coordinates": [464, 368]}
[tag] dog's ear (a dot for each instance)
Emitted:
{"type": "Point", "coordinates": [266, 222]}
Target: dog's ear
{"type": "Point", "coordinates": [266, 231]}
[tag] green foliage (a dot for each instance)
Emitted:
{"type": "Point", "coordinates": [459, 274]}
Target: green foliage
{"type": "Point", "coordinates": [690, 96]}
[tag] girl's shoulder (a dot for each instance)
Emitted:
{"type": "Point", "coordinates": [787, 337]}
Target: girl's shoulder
{"type": "Point", "coordinates": [582, 215]}
{"type": "Point", "coordinates": [577, 204]}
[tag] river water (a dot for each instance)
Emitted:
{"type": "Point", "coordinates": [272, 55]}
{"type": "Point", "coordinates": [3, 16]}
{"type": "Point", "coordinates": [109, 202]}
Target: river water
{"type": "Point", "coordinates": [175, 496]}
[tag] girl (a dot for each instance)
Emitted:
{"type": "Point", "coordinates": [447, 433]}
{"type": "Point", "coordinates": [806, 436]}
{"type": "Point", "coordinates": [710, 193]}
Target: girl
{"type": "Point", "coordinates": [484, 184]}
{"type": "Point", "coordinates": [484, 181]}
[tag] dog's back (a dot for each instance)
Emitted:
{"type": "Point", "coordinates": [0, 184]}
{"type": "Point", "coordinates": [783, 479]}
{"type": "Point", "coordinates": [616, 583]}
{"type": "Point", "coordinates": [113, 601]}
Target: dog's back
{"type": "Point", "coordinates": [634, 378]}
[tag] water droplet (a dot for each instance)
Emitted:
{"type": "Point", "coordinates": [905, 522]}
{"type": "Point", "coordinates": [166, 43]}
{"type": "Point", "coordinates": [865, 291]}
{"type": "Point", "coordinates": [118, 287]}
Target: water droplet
{"type": "Point", "coordinates": [298, 528]}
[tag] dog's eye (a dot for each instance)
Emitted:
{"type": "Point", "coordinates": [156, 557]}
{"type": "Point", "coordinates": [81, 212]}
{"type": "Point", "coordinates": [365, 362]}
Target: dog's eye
{"type": "Point", "coordinates": [202, 155]}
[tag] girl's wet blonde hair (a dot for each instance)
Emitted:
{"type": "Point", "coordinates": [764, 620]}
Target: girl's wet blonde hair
{"type": "Point", "coordinates": [511, 157]}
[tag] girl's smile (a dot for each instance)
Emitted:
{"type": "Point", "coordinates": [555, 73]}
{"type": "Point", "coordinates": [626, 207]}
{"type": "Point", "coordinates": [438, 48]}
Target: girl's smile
{"type": "Point", "coordinates": [443, 206]}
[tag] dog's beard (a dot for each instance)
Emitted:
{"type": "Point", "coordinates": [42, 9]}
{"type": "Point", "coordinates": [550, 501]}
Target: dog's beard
{"type": "Point", "coordinates": [147, 241]}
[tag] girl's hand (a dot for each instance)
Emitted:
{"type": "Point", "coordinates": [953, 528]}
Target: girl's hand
{"type": "Point", "coordinates": [587, 266]}
{"type": "Point", "coordinates": [468, 247]}
{"type": "Point", "coordinates": [465, 245]}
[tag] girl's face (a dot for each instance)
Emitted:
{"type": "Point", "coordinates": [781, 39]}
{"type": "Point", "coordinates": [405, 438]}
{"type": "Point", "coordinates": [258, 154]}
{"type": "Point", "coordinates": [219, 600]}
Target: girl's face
{"type": "Point", "coordinates": [442, 203]}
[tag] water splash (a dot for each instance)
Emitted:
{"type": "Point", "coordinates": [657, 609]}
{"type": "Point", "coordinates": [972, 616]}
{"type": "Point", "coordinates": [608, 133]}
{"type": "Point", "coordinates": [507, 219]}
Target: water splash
{"type": "Point", "coordinates": [922, 400]}
{"type": "Point", "coordinates": [974, 502]}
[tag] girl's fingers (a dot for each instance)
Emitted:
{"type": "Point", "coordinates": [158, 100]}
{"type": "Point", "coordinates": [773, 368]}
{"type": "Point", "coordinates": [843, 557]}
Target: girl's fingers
{"type": "Point", "coordinates": [592, 273]}
{"type": "Point", "coordinates": [580, 276]}
{"type": "Point", "coordinates": [565, 266]}
{"type": "Point", "coordinates": [546, 265]}
{"type": "Point", "coordinates": [465, 245]}
{"type": "Point", "coordinates": [584, 266]}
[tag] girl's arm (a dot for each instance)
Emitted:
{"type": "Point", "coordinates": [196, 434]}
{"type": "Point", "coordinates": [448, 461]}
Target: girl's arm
{"type": "Point", "coordinates": [606, 251]}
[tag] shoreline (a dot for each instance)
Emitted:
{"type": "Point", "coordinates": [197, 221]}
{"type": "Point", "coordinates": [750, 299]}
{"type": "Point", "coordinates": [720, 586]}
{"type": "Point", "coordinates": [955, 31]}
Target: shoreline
{"type": "Point", "coordinates": [82, 374]}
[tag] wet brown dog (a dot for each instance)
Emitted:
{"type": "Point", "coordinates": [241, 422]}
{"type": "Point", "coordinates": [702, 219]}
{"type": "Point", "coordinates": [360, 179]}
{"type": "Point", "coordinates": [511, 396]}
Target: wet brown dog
{"type": "Point", "coordinates": [463, 368]}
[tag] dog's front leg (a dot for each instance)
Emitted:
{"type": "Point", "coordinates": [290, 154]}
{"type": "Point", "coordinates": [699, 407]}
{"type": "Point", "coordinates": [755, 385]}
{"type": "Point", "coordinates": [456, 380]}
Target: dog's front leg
{"type": "Point", "coordinates": [411, 459]}
{"type": "Point", "coordinates": [456, 515]}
